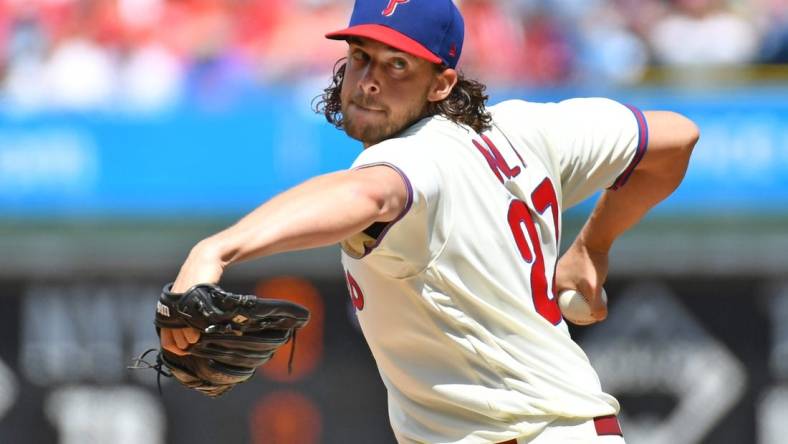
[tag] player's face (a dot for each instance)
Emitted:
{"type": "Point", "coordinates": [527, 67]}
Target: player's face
{"type": "Point", "coordinates": [385, 90]}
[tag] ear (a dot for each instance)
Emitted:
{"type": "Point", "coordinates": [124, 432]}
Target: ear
{"type": "Point", "coordinates": [442, 85]}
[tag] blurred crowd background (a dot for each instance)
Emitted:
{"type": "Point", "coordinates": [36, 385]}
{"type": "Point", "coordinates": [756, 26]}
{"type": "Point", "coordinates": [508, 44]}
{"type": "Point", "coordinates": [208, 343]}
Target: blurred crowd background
{"type": "Point", "coordinates": [148, 53]}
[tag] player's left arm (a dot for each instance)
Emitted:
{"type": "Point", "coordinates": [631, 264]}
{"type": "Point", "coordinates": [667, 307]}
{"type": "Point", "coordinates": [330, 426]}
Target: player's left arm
{"type": "Point", "coordinates": [319, 212]}
{"type": "Point", "coordinates": [584, 266]}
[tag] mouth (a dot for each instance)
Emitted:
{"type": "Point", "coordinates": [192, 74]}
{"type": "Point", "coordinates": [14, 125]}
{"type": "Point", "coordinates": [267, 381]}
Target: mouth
{"type": "Point", "coordinates": [364, 108]}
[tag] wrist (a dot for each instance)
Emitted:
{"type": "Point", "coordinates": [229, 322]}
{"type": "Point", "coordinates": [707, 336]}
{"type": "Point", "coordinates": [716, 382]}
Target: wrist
{"type": "Point", "coordinates": [209, 252]}
{"type": "Point", "coordinates": [594, 243]}
{"type": "Point", "coordinates": [202, 266]}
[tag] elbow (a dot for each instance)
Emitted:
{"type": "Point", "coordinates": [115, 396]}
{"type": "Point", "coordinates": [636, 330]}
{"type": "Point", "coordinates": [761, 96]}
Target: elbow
{"type": "Point", "coordinates": [682, 134]}
{"type": "Point", "coordinates": [672, 139]}
{"type": "Point", "coordinates": [365, 196]}
{"type": "Point", "coordinates": [692, 137]}
{"type": "Point", "coordinates": [687, 136]}
{"type": "Point", "coordinates": [687, 133]}
{"type": "Point", "coordinates": [382, 201]}
{"type": "Point", "coordinates": [381, 190]}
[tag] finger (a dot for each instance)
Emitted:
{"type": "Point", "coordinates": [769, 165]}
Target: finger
{"type": "Point", "coordinates": [180, 339]}
{"type": "Point", "coordinates": [192, 335]}
{"type": "Point", "coordinates": [599, 313]}
{"type": "Point", "coordinates": [598, 306]}
{"type": "Point", "coordinates": [168, 343]}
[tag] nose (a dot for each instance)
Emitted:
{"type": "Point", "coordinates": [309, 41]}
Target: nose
{"type": "Point", "coordinates": [368, 81]}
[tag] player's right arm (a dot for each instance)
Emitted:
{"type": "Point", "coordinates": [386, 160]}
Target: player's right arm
{"type": "Point", "coordinates": [671, 139]}
{"type": "Point", "coordinates": [321, 211]}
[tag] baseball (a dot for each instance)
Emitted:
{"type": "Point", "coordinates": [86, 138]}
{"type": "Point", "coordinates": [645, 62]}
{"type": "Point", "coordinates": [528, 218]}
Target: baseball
{"type": "Point", "coordinates": [575, 308]}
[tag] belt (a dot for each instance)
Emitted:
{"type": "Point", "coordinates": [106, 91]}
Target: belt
{"type": "Point", "coordinates": [607, 425]}
{"type": "Point", "coordinates": [604, 425]}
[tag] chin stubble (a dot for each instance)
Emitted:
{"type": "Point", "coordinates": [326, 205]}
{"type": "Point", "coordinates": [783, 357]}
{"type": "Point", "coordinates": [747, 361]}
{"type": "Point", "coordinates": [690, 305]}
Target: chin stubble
{"type": "Point", "coordinates": [373, 134]}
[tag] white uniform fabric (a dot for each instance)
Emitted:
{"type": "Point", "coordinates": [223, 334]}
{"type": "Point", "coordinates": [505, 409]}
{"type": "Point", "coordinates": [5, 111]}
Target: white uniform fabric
{"type": "Point", "coordinates": [444, 293]}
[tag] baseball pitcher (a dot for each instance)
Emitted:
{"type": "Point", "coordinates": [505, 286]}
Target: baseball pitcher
{"type": "Point", "coordinates": [450, 224]}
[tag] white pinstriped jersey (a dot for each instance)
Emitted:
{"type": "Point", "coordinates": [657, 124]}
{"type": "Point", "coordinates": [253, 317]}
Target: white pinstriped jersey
{"type": "Point", "coordinates": [456, 298]}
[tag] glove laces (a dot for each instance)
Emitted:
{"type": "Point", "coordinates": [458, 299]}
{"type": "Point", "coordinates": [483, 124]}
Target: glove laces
{"type": "Point", "coordinates": [141, 364]}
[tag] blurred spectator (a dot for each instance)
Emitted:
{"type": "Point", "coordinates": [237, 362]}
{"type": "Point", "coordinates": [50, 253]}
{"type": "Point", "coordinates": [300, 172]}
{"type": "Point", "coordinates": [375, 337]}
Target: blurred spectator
{"type": "Point", "coordinates": [612, 52]}
{"type": "Point", "coordinates": [80, 74]}
{"type": "Point", "coordinates": [548, 55]}
{"type": "Point", "coordinates": [297, 46]}
{"type": "Point", "coordinates": [150, 73]}
{"type": "Point", "coordinates": [255, 21]}
{"type": "Point", "coordinates": [494, 48]}
{"type": "Point", "coordinates": [24, 46]}
{"type": "Point", "coordinates": [202, 31]}
{"type": "Point", "coordinates": [774, 15]}
{"type": "Point", "coordinates": [703, 32]}
{"type": "Point", "coordinates": [5, 24]}
{"type": "Point", "coordinates": [81, 70]}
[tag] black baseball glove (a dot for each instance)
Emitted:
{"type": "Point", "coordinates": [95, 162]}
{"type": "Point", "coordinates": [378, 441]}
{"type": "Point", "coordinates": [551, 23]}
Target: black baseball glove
{"type": "Point", "coordinates": [238, 333]}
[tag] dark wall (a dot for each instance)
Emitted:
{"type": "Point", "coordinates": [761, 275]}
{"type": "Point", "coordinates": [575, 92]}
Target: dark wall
{"type": "Point", "coordinates": [691, 360]}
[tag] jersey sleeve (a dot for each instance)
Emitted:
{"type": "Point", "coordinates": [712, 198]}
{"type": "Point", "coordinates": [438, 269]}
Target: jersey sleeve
{"type": "Point", "coordinates": [590, 144]}
{"type": "Point", "coordinates": [416, 169]}
{"type": "Point", "coordinates": [599, 143]}
{"type": "Point", "coordinates": [405, 242]}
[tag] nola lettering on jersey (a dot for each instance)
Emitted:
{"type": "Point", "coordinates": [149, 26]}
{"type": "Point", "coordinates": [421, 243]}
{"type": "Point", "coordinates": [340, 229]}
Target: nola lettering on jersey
{"type": "Point", "coordinates": [356, 295]}
{"type": "Point", "coordinates": [496, 161]}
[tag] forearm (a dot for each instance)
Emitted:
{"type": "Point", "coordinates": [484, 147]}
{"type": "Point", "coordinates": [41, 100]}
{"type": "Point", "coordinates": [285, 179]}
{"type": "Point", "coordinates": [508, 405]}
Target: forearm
{"type": "Point", "coordinates": [619, 210]}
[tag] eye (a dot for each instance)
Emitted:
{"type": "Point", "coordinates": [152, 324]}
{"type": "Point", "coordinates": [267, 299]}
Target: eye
{"type": "Point", "coordinates": [399, 63]}
{"type": "Point", "coordinates": [359, 56]}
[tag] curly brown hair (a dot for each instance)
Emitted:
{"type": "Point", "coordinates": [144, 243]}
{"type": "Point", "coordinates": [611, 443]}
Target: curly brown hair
{"type": "Point", "coordinates": [466, 104]}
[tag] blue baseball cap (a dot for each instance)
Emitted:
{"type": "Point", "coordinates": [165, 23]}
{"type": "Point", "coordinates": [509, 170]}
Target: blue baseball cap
{"type": "Point", "coordinates": [429, 29]}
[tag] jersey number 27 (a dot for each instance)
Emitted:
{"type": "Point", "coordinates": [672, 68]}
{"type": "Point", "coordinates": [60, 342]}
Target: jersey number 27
{"type": "Point", "coordinates": [521, 222]}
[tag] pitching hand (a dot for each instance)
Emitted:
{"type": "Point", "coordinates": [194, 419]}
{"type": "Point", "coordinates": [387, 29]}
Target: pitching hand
{"type": "Point", "coordinates": [585, 271]}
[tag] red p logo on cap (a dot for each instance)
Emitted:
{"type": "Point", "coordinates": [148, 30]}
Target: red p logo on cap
{"type": "Point", "coordinates": [389, 11]}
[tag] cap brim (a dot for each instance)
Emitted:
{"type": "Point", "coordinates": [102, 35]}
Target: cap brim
{"type": "Point", "coordinates": [387, 36]}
